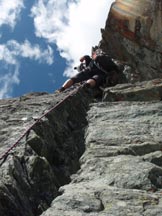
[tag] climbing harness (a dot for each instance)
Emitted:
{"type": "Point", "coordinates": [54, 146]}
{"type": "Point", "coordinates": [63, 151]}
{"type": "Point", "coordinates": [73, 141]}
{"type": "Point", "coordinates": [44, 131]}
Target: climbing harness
{"type": "Point", "coordinates": [5, 154]}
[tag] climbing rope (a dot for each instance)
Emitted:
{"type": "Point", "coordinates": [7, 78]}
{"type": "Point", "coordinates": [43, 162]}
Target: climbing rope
{"type": "Point", "coordinates": [6, 153]}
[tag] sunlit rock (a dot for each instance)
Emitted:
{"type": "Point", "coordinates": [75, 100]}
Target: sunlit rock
{"type": "Point", "coordinates": [133, 33]}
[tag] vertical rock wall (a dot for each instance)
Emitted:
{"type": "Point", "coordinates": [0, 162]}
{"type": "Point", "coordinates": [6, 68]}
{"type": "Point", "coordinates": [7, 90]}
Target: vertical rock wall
{"type": "Point", "coordinates": [133, 33]}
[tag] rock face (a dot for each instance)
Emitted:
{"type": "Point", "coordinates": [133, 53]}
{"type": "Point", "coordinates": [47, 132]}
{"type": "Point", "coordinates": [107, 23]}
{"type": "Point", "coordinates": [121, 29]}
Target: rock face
{"type": "Point", "coordinates": [118, 143]}
{"type": "Point", "coordinates": [133, 34]}
{"type": "Point", "coordinates": [77, 154]}
{"type": "Point", "coordinates": [46, 156]}
{"type": "Point", "coordinates": [121, 171]}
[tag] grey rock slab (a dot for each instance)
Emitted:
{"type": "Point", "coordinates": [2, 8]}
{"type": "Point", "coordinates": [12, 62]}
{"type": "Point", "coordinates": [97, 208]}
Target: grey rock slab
{"type": "Point", "coordinates": [133, 127]}
{"type": "Point", "coordinates": [96, 198]}
{"type": "Point", "coordinates": [118, 175]}
{"type": "Point", "coordinates": [139, 91]}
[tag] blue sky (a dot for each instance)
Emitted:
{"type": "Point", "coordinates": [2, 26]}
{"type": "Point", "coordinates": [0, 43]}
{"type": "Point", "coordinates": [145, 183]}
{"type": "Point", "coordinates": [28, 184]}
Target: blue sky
{"type": "Point", "coordinates": [42, 40]}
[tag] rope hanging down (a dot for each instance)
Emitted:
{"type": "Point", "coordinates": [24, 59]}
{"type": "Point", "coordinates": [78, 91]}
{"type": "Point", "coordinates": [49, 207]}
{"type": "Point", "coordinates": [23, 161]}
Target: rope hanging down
{"type": "Point", "coordinates": [5, 154]}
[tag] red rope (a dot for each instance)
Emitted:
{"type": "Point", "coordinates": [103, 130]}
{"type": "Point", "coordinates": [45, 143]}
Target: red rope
{"type": "Point", "coordinates": [5, 154]}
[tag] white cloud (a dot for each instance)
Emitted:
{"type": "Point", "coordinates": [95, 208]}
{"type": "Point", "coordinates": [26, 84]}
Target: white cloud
{"type": "Point", "coordinates": [8, 78]}
{"type": "Point", "coordinates": [10, 12]}
{"type": "Point", "coordinates": [10, 54]}
{"type": "Point", "coordinates": [73, 25]}
{"type": "Point", "coordinates": [27, 50]}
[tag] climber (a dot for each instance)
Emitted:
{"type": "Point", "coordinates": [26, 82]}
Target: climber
{"type": "Point", "coordinates": [94, 73]}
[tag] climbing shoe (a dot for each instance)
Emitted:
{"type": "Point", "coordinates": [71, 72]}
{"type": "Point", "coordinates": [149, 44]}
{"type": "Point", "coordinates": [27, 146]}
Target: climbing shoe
{"type": "Point", "coordinates": [86, 85]}
{"type": "Point", "coordinates": [61, 89]}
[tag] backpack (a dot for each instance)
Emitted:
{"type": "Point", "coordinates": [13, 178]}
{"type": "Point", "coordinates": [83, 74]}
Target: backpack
{"type": "Point", "coordinates": [105, 63]}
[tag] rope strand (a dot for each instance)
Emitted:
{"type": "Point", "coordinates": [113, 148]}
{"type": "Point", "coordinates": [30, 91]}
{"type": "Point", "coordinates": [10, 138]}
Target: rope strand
{"type": "Point", "coordinates": [5, 154]}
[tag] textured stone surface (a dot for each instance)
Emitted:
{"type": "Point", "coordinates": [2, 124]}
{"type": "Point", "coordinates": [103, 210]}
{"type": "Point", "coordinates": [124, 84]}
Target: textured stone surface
{"type": "Point", "coordinates": [46, 156]}
{"type": "Point", "coordinates": [121, 171]}
{"type": "Point", "coordinates": [140, 91]}
{"type": "Point", "coordinates": [133, 34]}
